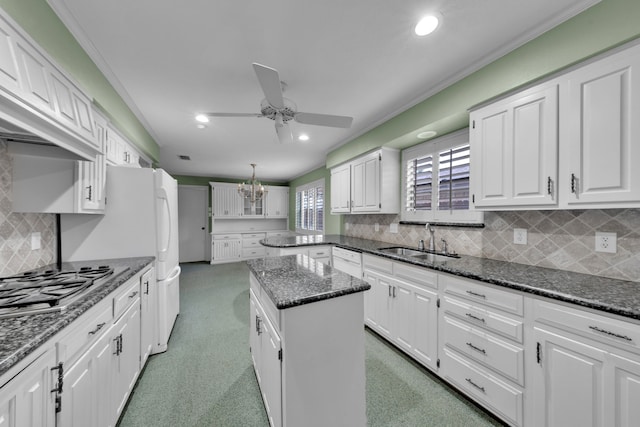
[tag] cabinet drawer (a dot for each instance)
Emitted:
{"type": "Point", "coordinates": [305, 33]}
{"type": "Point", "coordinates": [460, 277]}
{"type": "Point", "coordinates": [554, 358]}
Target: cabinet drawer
{"type": "Point", "coordinates": [506, 400]}
{"type": "Point", "coordinates": [251, 242]}
{"type": "Point", "coordinates": [347, 255]}
{"type": "Point", "coordinates": [484, 318]}
{"type": "Point", "coordinates": [417, 275]}
{"type": "Point", "coordinates": [350, 268]}
{"type": "Point", "coordinates": [481, 346]}
{"type": "Point", "coordinates": [319, 251]}
{"type": "Point", "coordinates": [376, 263]}
{"type": "Point", "coordinates": [258, 236]}
{"type": "Point", "coordinates": [254, 252]}
{"type": "Point", "coordinates": [479, 293]}
{"type": "Point", "coordinates": [85, 330]}
{"type": "Point", "coordinates": [125, 297]}
{"type": "Point", "coordinates": [601, 328]}
{"type": "Point", "coordinates": [226, 236]}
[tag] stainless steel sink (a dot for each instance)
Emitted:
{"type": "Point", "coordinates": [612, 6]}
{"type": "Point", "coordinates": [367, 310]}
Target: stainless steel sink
{"type": "Point", "coordinates": [414, 253]}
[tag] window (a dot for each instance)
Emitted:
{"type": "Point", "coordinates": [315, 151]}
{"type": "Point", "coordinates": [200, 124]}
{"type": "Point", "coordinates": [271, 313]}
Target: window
{"type": "Point", "coordinates": [310, 207]}
{"type": "Point", "coordinates": [436, 181]}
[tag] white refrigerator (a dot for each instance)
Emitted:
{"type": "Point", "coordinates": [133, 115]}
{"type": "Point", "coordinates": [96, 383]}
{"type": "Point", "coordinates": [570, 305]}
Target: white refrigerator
{"type": "Point", "coordinates": [141, 219]}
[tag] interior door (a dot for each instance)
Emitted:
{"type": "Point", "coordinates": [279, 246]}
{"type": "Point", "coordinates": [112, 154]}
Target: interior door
{"type": "Point", "coordinates": [192, 222]}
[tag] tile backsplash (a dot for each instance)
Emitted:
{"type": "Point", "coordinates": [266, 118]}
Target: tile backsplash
{"type": "Point", "coordinates": [563, 240]}
{"type": "Point", "coordinates": [16, 229]}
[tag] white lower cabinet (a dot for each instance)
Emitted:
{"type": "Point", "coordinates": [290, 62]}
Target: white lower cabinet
{"type": "Point", "coordinates": [27, 399]}
{"type": "Point", "coordinates": [402, 306]}
{"type": "Point", "coordinates": [126, 362]}
{"type": "Point", "coordinates": [320, 253]}
{"type": "Point", "coordinates": [309, 366]}
{"type": "Point", "coordinates": [226, 248]}
{"type": "Point", "coordinates": [148, 314]}
{"type": "Point", "coordinates": [587, 368]}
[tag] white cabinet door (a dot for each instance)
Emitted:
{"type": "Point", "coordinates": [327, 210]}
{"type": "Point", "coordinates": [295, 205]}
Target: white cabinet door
{"type": "Point", "coordinates": [569, 377]}
{"type": "Point", "coordinates": [425, 326]}
{"type": "Point", "coordinates": [254, 337]}
{"type": "Point", "coordinates": [126, 332]}
{"type": "Point", "coordinates": [624, 392]}
{"type": "Point", "coordinates": [277, 202]}
{"type": "Point", "coordinates": [514, 144]}
{"type": "Point", "coordinates": [365, 184]}
{"type": "Point", "coordinates": [86, 399]}
{"type": "Point", "coordinates": [378, 300]}
{"type": "Point", "coordinates": [271, 368]}
{"type": "Point", "coordinates": [148, 318]}
{"type": "Point", "coordinates": [600, 130]}
{"type": "Point", "coordinates": [226, 202]}
{"type": "Point", "coordinates": [27, 399]}
{"type": "Point", "coordinates": [224, 250]}
{"type": "Point", "coordinates": [341, 189]}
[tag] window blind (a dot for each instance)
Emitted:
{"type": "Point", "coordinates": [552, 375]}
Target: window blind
{"type": "Point", "coordinates": [419, 183]}
{"type": "Point", "coordinates": [310, 208]}
{"type": "Point", "coordinates": [453, 179]}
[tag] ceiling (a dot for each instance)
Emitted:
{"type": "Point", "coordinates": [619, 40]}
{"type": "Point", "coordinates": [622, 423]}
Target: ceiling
{"type": "Point", "coordinates": [360, 58]}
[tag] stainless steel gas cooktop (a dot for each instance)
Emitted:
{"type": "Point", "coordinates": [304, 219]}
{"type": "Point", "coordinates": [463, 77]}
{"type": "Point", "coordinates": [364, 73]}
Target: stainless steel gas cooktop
{"type": "Point", "coordinates": [35, 292]}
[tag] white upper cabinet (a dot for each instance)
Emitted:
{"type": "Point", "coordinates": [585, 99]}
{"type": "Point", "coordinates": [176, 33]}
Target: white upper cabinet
{"type": "Point", "coordinates": [38, 96]}
{"type": "Point", "coordinates": [225, 200]}
{"type": "Point", "coordinates": [367, 184]}
{"type": "Point", "coordinates": [563, 144]}
{"type": "Point", "coordinates": [119, 152]}
{"type": "Point", "coordinates": [599, 130]}
{"type": "Point", "coordinates": [514, 147]}
{"type": "Point", "coordinates": [341, 189]}
{"type": "Point", "coordinates": [277, 202]}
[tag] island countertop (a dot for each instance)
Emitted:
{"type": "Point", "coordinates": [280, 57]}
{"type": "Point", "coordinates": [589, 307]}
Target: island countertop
{"type": "Point", "coordinates": [297, 279]}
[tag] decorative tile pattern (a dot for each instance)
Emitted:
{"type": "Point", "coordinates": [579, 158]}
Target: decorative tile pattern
{"type": "Point", "coordinates": [562, 240]}
{"type": "Point", "coordinates": [16, 228]}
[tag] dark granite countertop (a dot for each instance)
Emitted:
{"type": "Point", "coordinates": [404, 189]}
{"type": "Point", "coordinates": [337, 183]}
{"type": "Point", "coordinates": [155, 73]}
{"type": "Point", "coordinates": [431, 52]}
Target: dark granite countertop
{"type": "Point", "coordinates": [619, 297]}
{"type": "Point", "coordinates": [24, 334]}
{"type": "Point", "coordinates": [297, 279]}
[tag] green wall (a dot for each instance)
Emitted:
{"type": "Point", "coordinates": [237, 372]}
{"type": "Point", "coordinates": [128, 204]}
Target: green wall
{"type": "Point", "coordinates": [603, 26]}
{"type": "Point", "coordinates": [43, 25]}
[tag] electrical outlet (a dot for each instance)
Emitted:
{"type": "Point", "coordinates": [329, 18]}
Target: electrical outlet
{"type": "Point", "coordinates": [376, 227]}
{"type": "Point", "coordinates": [520, 236]}
{"type": "Point", "coordinates": [606, 242]}
{"type": "Point", "coordinates": [393, 227]}
{"type": "Point", "coordinates": [346, 225]}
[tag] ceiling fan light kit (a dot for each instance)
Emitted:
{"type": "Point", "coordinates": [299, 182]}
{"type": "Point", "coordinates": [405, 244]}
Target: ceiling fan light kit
{"type": "Point", "coordinates": [254, 190]}
{"type": "Point", "coordinates": [282, 110]}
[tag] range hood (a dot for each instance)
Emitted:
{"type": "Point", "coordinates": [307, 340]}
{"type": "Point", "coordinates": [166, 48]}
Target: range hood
{"type": "Point", "coordinates": [20, 124]}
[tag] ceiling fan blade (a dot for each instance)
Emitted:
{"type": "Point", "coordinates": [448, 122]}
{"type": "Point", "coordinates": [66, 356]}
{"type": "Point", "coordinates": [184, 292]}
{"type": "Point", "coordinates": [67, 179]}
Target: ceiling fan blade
{"type": "Point", "coordinates": [232, 114]}
{"type": "Point", "coordinates": [270, 83]}
{"type": "Point", "coordinates": [284, 133]}
{"type": "Point", "coordinates": [324, 120]}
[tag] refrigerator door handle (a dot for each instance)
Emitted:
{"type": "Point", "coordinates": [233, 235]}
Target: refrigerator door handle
{"type": "Point", "coordinates": [175, 273]}
{"type": "Point", "coordinates": [164, 250]}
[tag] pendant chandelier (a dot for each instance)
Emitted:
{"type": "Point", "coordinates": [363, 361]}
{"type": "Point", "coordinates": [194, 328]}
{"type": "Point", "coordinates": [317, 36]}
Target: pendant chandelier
{"type": "Point", "coordinates": [253, 191]}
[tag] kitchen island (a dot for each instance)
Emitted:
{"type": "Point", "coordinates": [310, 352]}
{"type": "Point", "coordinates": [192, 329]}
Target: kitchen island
{"type": "Point", "coordinates": [307, 342]}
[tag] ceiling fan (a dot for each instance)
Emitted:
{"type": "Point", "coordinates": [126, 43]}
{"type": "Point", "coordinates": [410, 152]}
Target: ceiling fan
{"type": "Point", "coordinates": [281, 110]}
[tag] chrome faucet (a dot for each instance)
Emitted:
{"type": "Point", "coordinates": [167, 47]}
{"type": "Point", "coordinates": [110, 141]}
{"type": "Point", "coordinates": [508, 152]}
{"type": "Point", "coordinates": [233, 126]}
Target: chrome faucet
{"type": "Point", "coordinates": [432, 241]}
{"type": "Point", "coordinates": [444, 247]}
{"type": "Point", "coordinates": [421, 245]}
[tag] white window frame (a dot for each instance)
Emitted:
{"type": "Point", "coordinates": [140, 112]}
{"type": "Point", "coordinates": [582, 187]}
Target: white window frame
{"type": "Point", "coordinates": [433, 148]}
{"type": "Point", "coordinates": [313, 184]}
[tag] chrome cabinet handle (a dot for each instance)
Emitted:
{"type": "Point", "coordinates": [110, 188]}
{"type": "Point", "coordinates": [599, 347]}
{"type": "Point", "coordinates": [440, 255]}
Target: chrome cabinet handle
{"type": "Point", "coordinates": [573, 184]}
{"type": "Point", "coordinates": [549, 185]}
{"type": "Point", "coordinates": [470, 381]}
{"type": "Point", "coordinates": [389, 290]}
{"type": "Point", "coordinates": [478, 349]}
{"type": "Point", "coordinates": [475, 294]}
{"type": "Point", "coordinates": [394, 291]}
{"type": "Point", "coordinates": [147, 291]}
{"type": "Point", "coordinates": [133, 294]}
{"type": "Point", "coordinates": [479, 319]}
{"type": "Point", "coordinates": [89, 193]}
{"type": "Point", "coordinates": [613, 334]}
{"type": "Point", "coordinates": [98, 327]}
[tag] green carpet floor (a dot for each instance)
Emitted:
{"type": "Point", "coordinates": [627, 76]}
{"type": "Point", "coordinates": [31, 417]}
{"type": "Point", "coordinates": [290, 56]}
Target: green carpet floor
{"type": "Point", "coordinates": [206, 377]}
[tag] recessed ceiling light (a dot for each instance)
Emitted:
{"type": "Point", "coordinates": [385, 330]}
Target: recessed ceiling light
{"type": "Point", "coordinates": [303, 137]}
{"type": "Point", "coordinates": [427, 25]}
{"type": "Point", "coordinates": [202, 118]}
{"type": "Point", "coordinates": [427, 134]}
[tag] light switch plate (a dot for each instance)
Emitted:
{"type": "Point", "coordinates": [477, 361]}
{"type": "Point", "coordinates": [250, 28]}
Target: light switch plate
{"type": "Point", "coordinates": [520, 236]}
{"type": "Point", "coordinates": [376, 227]}
{"type": "Point", "coordinates": [35, 240]}
{"type": "Point", "coordinates": [606, 242]}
